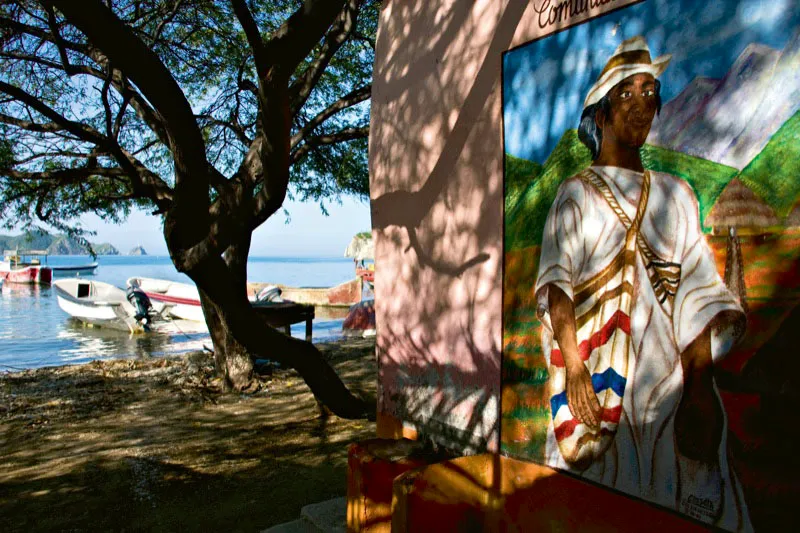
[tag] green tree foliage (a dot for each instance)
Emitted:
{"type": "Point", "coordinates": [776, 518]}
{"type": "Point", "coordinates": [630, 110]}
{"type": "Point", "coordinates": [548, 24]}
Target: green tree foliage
{"type": "Point", "coordinates": [68, 109]}
{"type": "Point", "coordinates": [208, 112]}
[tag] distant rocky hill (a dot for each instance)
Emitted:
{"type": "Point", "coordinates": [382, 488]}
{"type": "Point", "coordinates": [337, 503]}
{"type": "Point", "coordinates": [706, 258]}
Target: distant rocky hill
{"type": "Point", "coordinates": [730, 120]}
{"type": "Point", "coordinates": [54, 244]}
{"type": "Point", "coordinates": [138, 250]}
{"type": "Point", "coordinates": [105, 249]}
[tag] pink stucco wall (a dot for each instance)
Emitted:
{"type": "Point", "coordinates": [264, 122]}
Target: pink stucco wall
{"type": "Point", "coordinates": [436, 153]}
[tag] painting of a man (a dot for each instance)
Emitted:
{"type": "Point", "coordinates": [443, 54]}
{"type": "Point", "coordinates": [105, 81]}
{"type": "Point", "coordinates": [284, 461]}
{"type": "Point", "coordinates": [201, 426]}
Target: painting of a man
{"type": "Point", "coordinates": [635, 314]}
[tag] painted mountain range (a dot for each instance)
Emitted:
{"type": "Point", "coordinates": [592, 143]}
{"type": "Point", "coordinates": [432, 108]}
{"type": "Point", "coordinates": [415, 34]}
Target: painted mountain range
{"type": "Point", "coordinates": [730, 120]}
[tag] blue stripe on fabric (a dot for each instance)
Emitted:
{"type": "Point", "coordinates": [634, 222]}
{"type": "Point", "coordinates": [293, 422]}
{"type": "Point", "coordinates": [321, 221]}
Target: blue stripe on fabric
{"type": "Point", "coordinates": [557, 401]}
{"type": "Point", "coordinates": [600, 382]}
{"type": "Point", "coordinates": [609, 380]}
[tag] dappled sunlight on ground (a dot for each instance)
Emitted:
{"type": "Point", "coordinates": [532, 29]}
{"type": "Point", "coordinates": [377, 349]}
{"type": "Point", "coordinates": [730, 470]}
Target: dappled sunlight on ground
{"type": "Point", "coordinates": [153, 445]}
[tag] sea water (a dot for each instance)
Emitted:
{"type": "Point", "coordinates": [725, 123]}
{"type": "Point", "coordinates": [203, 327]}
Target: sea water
{"type": "Point", "coordinates": [35, 332]}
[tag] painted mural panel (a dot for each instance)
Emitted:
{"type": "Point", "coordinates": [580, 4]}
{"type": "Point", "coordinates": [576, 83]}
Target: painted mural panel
{"type": "Point", "coordinates": [652, 255]}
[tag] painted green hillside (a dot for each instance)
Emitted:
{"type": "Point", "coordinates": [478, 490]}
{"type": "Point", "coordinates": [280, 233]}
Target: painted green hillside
{"type": "Point", "coordinates": [519, 174]}
{"type": "Point", "coordinates": [774, 174]}
{"type": "Point", "coordinates": [707, 178]}
{"type": "Point", "coordinates": [525, 216]}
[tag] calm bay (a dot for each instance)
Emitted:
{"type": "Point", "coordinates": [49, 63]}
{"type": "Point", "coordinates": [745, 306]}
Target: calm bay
{"type": "Point", "coordinates": [35, 332]}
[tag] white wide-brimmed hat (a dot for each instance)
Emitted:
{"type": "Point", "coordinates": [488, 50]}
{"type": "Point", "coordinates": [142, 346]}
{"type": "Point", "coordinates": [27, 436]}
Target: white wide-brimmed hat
{"type": "Point", "coordinates": [631, 57]}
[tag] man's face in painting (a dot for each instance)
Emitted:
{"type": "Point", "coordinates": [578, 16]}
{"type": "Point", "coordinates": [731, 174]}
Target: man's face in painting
{"type": "Point", "coordinates": [633, 106]}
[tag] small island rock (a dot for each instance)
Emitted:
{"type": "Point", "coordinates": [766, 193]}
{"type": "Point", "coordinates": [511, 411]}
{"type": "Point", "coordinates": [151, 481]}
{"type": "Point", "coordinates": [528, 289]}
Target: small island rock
{"type": "Point", "coordinates": [105, 249]}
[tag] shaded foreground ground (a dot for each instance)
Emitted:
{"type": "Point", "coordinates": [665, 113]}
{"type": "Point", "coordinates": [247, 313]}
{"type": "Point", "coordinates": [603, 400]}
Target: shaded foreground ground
{"type": "Point", "coordinates": [152, 445]}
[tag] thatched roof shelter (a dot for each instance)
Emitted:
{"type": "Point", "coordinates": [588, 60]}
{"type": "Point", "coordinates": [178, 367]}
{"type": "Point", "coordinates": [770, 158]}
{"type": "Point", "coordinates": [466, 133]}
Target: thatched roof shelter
{"type": "Point", "coordinates": [739, 207]}
{"type": "Point", "coordinates": [361, 247]}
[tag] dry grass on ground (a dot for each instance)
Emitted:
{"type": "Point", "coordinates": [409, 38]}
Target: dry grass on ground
{"type": "Point", "coordinates": [133, 445]}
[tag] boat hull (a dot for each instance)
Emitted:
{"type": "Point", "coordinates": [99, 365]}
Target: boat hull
{"type": "Point", "coordinates": [181, 299]}
{"type": "Point", "coordinates": [28, 274]}
{"type": "Point", "coordinates": [193, 312]}
{"type": "Point", "coordinates": [87, 313]}
{"type": "Point", "coordinates": [342, 295]}
{"type": "Point", "coordinates": [81, 270]}
{"type": "Point", "coordinates": [98, 304]}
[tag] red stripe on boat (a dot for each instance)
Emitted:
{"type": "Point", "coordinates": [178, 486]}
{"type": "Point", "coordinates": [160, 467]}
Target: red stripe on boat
{"type": "Point", "coordinates": [158, 297]}
{"type": "Point", "coordinates": [566, 429]}
{"type": "Point", "coordinates": [618, 320]}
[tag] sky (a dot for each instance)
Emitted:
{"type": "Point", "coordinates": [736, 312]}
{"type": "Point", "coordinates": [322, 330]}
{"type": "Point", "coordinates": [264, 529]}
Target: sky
{"type": "Point", "coordinates": [306, 232]}
{"type": "Point", "coordinates": [545, 82]}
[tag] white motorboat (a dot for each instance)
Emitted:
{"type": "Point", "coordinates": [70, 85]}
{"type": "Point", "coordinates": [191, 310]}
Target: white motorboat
{"type": "Point", "coordinates": [181, 300]}
{"type": "Point", "coordinates": [100, 304]}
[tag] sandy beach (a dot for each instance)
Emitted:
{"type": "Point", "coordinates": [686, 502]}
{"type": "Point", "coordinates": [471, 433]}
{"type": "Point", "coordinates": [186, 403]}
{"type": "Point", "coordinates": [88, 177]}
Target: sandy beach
{"type": "Point", "coordinates": [153, 444]}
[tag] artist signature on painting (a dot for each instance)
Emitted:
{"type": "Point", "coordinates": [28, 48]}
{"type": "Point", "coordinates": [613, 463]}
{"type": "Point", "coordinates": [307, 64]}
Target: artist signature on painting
{"type": "Point", "coordinates": [552, 12]}
{"type": "Point", "coordinates": [701, 508]}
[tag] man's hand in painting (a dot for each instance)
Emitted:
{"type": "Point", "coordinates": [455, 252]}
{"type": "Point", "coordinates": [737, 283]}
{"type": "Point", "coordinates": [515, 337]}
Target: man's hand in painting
{"type": "Point", "coordinates": [581, 399]}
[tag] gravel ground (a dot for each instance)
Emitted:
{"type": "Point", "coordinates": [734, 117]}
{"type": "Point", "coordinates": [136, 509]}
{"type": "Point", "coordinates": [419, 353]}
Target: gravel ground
{"type": "Point", "coordinates": [155, 445]}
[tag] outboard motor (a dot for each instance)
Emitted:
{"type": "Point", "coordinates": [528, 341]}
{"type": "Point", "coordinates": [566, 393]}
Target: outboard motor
{"type": "Point", "coordinates": [270, 293]}
{"type": "Point", "coordinates": [140, 302]}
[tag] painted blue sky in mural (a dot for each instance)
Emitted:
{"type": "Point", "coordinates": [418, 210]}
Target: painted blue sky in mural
{"type": "Point", "coordinates": [545, 82]}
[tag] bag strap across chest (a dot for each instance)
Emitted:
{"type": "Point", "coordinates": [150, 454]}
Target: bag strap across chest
{"type": "Point", "coordinates": [664, 276]}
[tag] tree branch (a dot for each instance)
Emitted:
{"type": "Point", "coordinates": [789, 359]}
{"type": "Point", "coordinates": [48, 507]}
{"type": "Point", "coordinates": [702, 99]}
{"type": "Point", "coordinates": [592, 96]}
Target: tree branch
{"type": "Point", "coordinates": [28, 125]}
{"type": "Point", "coordinates": [57, 153]}
{"type": "Point", "coordinates": [19, 28]}
{"type": "Point", "coordinates": [245, 18]}
{"type": "Point", "coordinates": [59, 42]}
{"type": "Point", "coordinates": [237, 131]}
{"type": "Point", "coordinates": [146, 70]}
{"type": "Point", "coordinates": [347, 134]}
{"type": "Point", "coordinates": [82, 131]}
{"type": "Point", "coordinates": [107, 103]}
{"type": "Point", "coordinates": [298, 35]}
{"type": "Point", "coordinates": [161, 25]}
{"type": "Point", "coordinates": [355, 97]}
{"type": "Point", "coordinates": [144, 182]}
{"type": "Point", "coordinates": [32, 59]}
{"type": "Point", "coordinates": [143, 110]}
{"type": "Point", "coordinates": [336, 36]}
{"type": "Point", "coordinates": [67, 175]}
{"type": "Point", "coordinates": [245, 84]}
{"type": "Point", "coordinates": [120, 116]}
{"type": "Point", "coordinates": [361, 37]}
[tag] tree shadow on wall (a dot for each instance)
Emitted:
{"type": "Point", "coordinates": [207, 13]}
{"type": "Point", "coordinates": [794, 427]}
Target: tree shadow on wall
{"type": "Point", "coordinates": [441, 221]}
{"type": "Point", "coordinates": [443, 400]}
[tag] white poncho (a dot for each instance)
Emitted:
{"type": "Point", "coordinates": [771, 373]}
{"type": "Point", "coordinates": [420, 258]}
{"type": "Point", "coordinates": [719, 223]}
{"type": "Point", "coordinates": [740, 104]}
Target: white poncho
{"type": "Point", "coordinates": [582, 236]}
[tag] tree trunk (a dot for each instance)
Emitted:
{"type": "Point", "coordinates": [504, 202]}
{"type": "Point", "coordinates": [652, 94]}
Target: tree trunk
{"type": "Point", "coordinates": [231, 360]}
{"type": "Point", "coordinates": [245, 335]}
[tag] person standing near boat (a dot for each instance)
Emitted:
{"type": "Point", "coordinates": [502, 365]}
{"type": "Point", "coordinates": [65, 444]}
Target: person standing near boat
{"type": "Point", "coordinates": [635, 314]}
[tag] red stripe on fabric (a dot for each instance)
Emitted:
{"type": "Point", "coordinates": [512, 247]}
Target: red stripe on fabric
{"type": "Point", "coordinates": [599, 338]}
{"type": "Point", "coordinates": [566, 429]}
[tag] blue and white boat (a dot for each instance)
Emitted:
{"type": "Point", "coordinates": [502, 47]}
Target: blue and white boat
{"type": "Point", "coordinates": [74, 270]}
